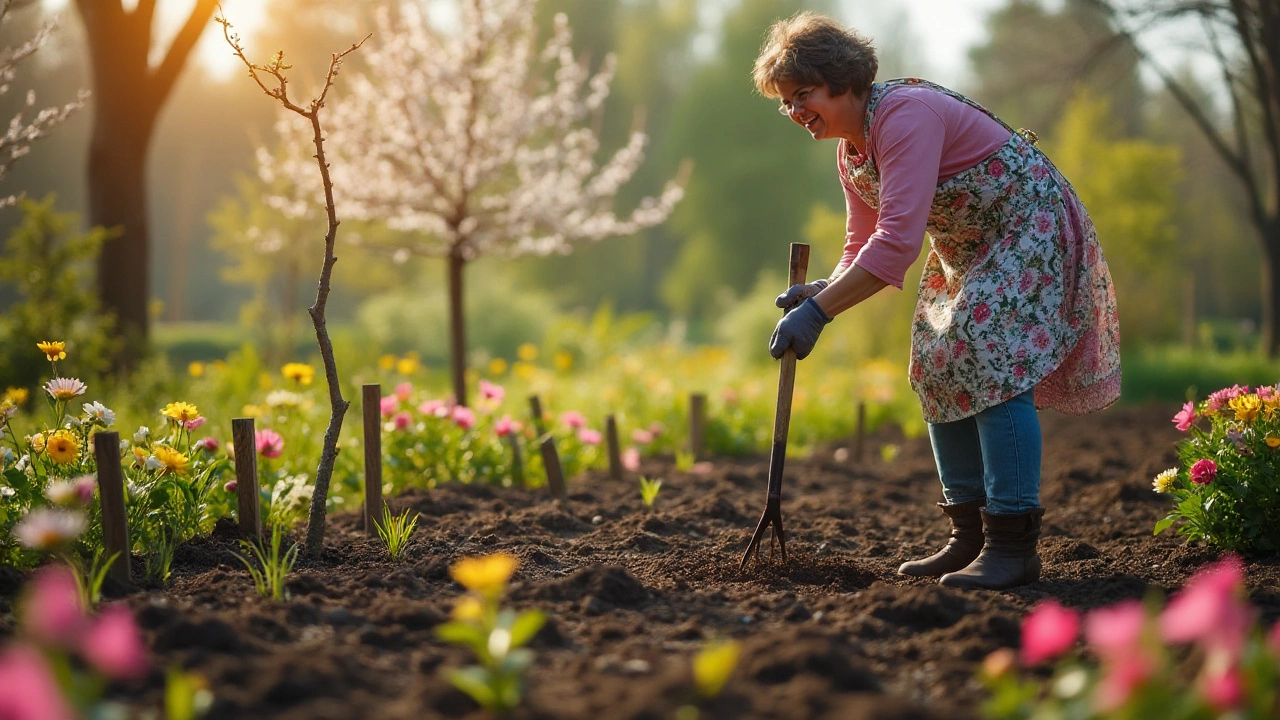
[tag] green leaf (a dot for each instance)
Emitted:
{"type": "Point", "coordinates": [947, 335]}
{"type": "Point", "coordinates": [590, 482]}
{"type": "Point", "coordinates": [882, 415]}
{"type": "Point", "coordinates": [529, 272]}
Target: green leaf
{"type": "Point", "coordinates": [474, 681]}
{"type": "Point", "coordinates": [465, 634]}
{"type": "Point", "coordinates": [526, 627]}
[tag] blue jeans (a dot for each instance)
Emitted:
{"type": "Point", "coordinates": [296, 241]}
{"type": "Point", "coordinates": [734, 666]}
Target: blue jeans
{"type": "Point", "coordinates": [994, 455]}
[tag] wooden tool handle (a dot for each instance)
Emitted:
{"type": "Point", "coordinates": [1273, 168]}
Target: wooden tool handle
{"type": "Point", "coordinates": [786, 383]}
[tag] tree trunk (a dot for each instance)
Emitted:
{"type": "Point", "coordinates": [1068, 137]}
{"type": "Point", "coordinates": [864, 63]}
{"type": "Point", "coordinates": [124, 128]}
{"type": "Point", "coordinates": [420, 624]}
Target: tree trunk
{"type": "Point", "coordinates": [457, 327]}
{"type": "Point", "coordinates": [1271, 288]}
{"type": "Point", "coordinates": [128, 93]}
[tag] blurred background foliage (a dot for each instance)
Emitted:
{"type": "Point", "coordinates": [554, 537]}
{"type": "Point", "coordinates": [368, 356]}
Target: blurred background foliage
{"type": "Point", "coordinates": [227, 270]}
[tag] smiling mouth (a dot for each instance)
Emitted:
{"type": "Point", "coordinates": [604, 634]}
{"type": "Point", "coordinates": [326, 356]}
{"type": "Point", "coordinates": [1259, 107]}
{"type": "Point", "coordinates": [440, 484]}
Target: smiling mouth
{"type": "Point", "coordinates": [808, 124]}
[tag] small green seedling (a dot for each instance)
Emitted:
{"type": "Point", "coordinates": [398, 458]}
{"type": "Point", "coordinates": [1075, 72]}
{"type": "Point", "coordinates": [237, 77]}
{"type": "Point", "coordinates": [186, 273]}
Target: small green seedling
{"type": "Point", "coordinates": [889, 452]}
{"type": "Point", "coordinates": [396, 530]}
{"type": "Point", "coordinates": [273, 567]}
{"type": "Point", "coordinates": [684, 461]}
{"type": "Point", "coordinates": [649, 490]}
{"type": "Point", "coordinates": [712, 667]}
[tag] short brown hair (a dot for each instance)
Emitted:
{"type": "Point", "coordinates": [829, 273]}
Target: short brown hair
{"type": "Point", "coordinates": [813, 49]}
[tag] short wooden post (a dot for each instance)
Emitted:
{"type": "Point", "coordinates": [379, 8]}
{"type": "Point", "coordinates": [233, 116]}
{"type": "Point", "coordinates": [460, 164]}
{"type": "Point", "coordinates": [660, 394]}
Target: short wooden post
{"type": "Point", "coordinates": [517, 460]}
{"type": "Point", "coordinates": [615, 455]}
{"type": "Point", "coordinates": [535, 409]}
{"type": "Point", "coordinates": [371, 401]}
{"type": "Point", "coordinates": [115, 526]}
{"type": "Point", "coordinates": [551, 461]}
{"type": "Point", "coordinates": [860, 432]}
{"type": "Point", "coordinates": [697, 423]}
{"type": "Point", "coordinates": [246, 447]}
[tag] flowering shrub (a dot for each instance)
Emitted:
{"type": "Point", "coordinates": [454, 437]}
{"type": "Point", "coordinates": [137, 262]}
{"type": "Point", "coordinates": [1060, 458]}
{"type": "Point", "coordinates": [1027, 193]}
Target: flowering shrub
{"type": "Point", "coordinates": [1227, 488]}
{"type": "Point", "coordinates": [1142, 666]}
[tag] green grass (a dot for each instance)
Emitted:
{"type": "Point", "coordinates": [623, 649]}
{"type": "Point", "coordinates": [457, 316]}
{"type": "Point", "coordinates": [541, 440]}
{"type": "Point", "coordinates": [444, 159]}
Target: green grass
{"type": "Point", "coordinates": [1177, 374]}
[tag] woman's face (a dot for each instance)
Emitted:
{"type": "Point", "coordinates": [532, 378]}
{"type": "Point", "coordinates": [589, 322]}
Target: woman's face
{"type": "Point", "coordinates": [824, 116]}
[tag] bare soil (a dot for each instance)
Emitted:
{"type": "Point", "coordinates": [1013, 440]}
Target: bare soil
{"type": "Point", "coordinates": [634, 593]}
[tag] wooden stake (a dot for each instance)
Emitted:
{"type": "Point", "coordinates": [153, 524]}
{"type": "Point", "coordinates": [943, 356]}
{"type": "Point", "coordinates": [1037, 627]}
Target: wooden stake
{"type": "Point", "coordinates": [861, 432]}
{"type": "Point", "coordinates": [517, 460]}
{"type": "Point", "coordinates": [535, 409]}
{"type": "Point", "coordinates": [697, 423]}
{"type": "Point", "coordinates": [551, 461]}
{"type": "Point", "coordinates": [246, 447]}
{"type": "Point", "coordinates": [371, 399]}
{"type": "Point", "coordinates": [615, 455]}
{"type": "Point", "coordinates": [115, 526]}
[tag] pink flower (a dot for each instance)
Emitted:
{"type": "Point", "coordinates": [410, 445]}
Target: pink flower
{"type": "Point", "coordinates": [981, 313]}
{"type": "Point", "coordinates": [1185, 417]}
{"type": "Point", "coordinates": [209, 444]}
{"type": "Point", "coordinates": [269, 443]}
{"type": "Point", "coordinates": [1048, 631]}
{"type": "Point", "coordinates": [505, 426]}
{"type": "Point", "coordinates": [1203, 472]}
{"type": "Point", "coordinates": [389, 405]}
{"type": "Point", "coordinates": [1208, 609]}
{"type": "Point", "coordinates": [1115, 632]}
{"type": "Point", "coordinates": [489, 391]}
{"type": "Point", "coordinates": [1219, 399]}
{"type": "Point", "coordinates": [463, 417]}
{"type": "Point", "coordinates": [52, 613]}
{"type": "Point", "coordinates": [1224, 689]}
{"type": "Point", "coordinates": [996, 168]}
{"type": "Point", "coordinates": [402, 420]}
{"type": "Point", "coordinates": [1273, 639]}
{"type": "Point", "coordinates": [641, 437]}
{"type": "Point", "coordinates": [231, 486]}
{"type": "Point", "coordinates": [114, 646]}
{"type": "Point", "coordinates": [1265, 392]}
{"type": "Point", "coordinates": [656, 428]}
{"type": "Point", "coordinates": [574, 419]}
{"type": "Point", "coordinates": [631, 459]}
{"type": "Point", "coordinates": [1119, 682]}
{"type": "Point", "coordinates": [433, 407]}
{"type": "Point", "coordinates": [729, 396]}
{"type": "Point", "coordinates": [404, 390]}
{"type": "Point", "coordinates": [196, 423]}
{"type": "Point", "coordinates": [27, 688]}
{"type": "Point", "coordinates": [588, 436]}
{"type": "Point", "coordinates": [85, 487]}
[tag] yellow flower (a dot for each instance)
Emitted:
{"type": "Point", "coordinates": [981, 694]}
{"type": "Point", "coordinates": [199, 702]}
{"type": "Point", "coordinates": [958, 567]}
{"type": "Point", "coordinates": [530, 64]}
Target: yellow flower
{"type": "Point", "coordinates": [300, 373]}
{"type": "Point", "coordinates": [180, 411]}
{"type": "Point", "coordinates": [1271, 404]}
{"type": "Point", "coordinates": [173, 461]}
{"type": "Point", "coordinates": [1273, 441]}
{"type": "Point", "coordinates": [563, 361]}
{"type": "Point", "coordinates": [387, 362]}
{"type": "Point", "coordinates": [1247, 407]}
{"type": "Point", "coordinates": [195, 369]}
{"type": "Point", "coordinates": [252, 411]}
{"type": "Point", "coordinates": [523, 370]}
{"type": "Point", "coordinates": [485, 575]}
{"type": "Point", "coordinates": [53, 349]}
{"type": "Point", "coordinates": [7, 410]}
{"type": "Point", "coordinates": [17, 396]}
{"type": "Point", "coordinates": [468, 609]}
{"type": "Point", "coordinates": [406, 365]}
{"type": "Point", "coordinates": [37, 443]}
{"type": "Point", "coordinates": [63, 447]}
{"type": "Point", "coordinates": [1165, 480]}
{"type": "Point", "coordinates": [140, 456]}
{"type": "Point", "coordinates": [713, 666]}
{"type": "Point", "coordinates": [527, 352]}
{"type": "Point", "coordinates": [497, 366]}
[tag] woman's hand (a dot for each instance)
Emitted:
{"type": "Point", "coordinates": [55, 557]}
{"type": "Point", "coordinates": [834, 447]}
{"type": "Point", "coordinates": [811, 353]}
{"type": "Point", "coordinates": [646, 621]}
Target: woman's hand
{"type": "Point", "coordinates": [797, 294]}
{"type": "Point", "coordinates": [798, 330]}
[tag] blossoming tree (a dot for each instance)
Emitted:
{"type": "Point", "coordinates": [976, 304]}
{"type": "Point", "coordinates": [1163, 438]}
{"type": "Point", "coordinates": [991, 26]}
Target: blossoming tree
{"type": "Point", "coordinates": [475, 142]}
{"type": "Point", "coordinates": [22, 131]}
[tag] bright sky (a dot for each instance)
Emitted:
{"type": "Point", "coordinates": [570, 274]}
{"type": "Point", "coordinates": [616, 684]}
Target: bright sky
{"type": "Point", "coordinates": [941, 31]}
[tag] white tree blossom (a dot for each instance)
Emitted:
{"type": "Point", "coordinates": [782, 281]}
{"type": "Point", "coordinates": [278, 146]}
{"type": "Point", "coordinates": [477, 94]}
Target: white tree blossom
{"type": "Point", "coordinates": [474, 139]}
{"type": "Point", "coordinates": [22, 131]}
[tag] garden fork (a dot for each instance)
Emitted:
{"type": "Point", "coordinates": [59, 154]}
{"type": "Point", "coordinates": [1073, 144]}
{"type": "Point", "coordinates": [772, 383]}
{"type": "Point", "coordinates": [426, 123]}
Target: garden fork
{"type": "Point", "coordinates": [781, 424]}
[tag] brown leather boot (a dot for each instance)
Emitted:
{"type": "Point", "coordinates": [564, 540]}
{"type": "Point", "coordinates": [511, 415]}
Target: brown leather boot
{"type": "Point", "coordinates": [961, 549]}
{"type": "Point", "coordinates": [1008, 557]}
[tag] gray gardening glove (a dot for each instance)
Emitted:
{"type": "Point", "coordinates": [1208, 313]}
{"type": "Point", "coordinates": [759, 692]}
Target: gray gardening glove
{"type": "Point", "coordinates": [799, 330]}
{"type": "Point", "coordinates": [797, 294]}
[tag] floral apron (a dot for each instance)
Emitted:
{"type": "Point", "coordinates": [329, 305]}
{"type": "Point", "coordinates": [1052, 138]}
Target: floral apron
{"type": "Point", "coordinates": [1015, 292]}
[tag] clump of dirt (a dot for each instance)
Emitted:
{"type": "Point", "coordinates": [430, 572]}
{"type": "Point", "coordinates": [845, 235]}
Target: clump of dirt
{"type": "Point", "coordinates": [632, 593]}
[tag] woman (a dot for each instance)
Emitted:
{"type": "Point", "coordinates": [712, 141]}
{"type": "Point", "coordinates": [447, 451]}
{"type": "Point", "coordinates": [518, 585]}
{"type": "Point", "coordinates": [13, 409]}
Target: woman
{"type": "Point", "coordinates": [1015, 307]}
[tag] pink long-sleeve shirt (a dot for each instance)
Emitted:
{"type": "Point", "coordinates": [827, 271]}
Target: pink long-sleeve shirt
{"type": "Point", "coordinates": [919, 138]}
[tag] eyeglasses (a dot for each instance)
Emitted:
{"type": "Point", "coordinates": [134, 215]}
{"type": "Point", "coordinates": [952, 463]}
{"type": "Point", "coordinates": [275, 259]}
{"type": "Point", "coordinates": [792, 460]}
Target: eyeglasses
{"type": "Point", "coordinates": [796, 104]}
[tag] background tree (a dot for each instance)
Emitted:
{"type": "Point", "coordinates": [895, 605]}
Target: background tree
{"type": "Point", "coordinates": [1243, 39]}
{"type": "Point", "coordinates": [461, 139]}
{"type": "Point", "coordinates": [129, 92]}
